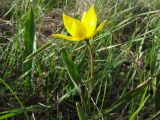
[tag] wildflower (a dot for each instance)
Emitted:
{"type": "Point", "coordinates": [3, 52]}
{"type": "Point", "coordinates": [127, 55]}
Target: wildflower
{"type": "Point", "coordinates": [81, 30]}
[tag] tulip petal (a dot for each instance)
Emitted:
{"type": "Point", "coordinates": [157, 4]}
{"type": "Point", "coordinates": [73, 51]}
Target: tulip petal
{"type": "Point", "coordinates": [89, 19]}
{"type": "Point", "coordinates": [99, 27]}
{"type": "Point", "coordinates": [67, 37]}
{"type": "Point", "coordinates": [83, 17]}
{"type": "Point", "coordinates": [74, 27]}
{"type": "Point", "coordinates": [97, 30]}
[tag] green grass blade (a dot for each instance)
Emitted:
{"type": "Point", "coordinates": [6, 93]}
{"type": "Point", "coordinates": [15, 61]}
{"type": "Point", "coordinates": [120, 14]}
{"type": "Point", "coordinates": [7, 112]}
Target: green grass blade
{"type": "Point", "coordinates": [13, 112]}
{"type": "Point", "coordinates": [127, 97]}
{"type": "Point", "coordinates": [139, 109]}
{"type": "Point", "coordinates": [29, 34]}
{"type": "Point", "coordinates": [81, 113]}
{"type": "Point", "coordinates": [40, 50]}
{"type": "Point", "coordinates": [157, 71]}
{"type": "Point", "coordinates": [13, 93]}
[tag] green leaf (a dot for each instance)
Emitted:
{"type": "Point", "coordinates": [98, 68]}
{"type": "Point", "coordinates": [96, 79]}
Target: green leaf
{"type": "Point", "coordinates": [71, 69]}
{"type": "Point", "coordinates": [29, 35]}
{"type": "Point", "coordinates": [16, 97]}
{"type": "Point", "coordinates": [40, 50]}
{"type": "Point", "coordinates": [13, 112]}
{"type": "Point", "coordinates": [81, 114]}
{"type": "Point", "coordinates": [127, 97]}
{"type": "Point", "coordinates": [141, 105]}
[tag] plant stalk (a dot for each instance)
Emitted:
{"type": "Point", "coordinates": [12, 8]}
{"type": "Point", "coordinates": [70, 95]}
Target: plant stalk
{"type": "Point", "coordinates": [91, 65]}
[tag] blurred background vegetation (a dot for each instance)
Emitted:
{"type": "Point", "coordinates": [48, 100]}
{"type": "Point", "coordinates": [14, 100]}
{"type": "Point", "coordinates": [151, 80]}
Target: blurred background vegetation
{"type": "Point", "coordinates": [126, 51]}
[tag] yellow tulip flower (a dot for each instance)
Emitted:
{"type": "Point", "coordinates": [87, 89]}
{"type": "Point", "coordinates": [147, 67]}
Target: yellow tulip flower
{"type": "Point", "coordinates": [81, 30]}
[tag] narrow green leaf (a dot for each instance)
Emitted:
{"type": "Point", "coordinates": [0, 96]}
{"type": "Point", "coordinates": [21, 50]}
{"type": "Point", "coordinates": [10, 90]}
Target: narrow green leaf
{"type": "Point", "coordinates": [11, 114]}
{"type": "Point", "coordinates": [71, 69]}
{"type": "Point", "coordinates": [139, 108]}
{"type": "Point", "coordinates": [16, 97]}
{"type": "Point", "coordinates": [14, 112]}
{"type": "Point", "coordinates": [156, 70]}
{"type": "Point", "coordinates": [81, 114]}
{"type": "Point", "coordinates": [29, 34]}
{"type": "Point", "coordinates": [40, 50]}
{"type": "Point", "coordinates": [127, 97]}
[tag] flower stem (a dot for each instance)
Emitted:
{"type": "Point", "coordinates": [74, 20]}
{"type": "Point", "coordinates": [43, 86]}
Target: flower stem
{"type": "Point", "coordinates": [91, 65]}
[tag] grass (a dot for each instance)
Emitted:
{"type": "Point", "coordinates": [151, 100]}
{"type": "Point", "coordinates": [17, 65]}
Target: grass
{"type": "Point", "coordinates": [126, 78]}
